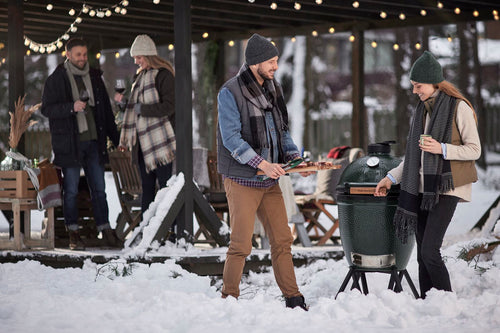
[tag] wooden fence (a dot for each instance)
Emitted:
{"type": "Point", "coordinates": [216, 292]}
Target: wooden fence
{"type": "Point", "coordinates": [325, 133]}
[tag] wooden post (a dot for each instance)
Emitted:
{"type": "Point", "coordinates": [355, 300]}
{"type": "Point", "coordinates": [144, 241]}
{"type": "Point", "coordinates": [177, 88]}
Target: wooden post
{"type": "Point", "coordinates": [358, 123]}
{"type": "Point", "coordinates": [16, 55]}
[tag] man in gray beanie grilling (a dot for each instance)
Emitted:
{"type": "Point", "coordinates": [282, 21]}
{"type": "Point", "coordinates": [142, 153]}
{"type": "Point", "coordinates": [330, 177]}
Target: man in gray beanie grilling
{"type": "Point", "coordinates": [253, 135]}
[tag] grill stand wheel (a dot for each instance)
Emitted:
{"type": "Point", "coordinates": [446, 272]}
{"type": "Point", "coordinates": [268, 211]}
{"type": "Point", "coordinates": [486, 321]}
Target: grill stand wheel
{"type": "Point", "coordinates": [356, 273]}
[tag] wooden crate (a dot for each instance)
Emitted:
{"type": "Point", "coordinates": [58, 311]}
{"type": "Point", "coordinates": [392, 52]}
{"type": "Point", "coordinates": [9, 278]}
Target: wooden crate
{"type": "Point", "coordinates": [16, 184]}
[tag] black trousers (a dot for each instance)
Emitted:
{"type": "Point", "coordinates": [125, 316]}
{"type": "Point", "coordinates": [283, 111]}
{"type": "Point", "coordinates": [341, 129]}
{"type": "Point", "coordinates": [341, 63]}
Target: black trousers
{"type": "Point", "coordinates": [431, 227]}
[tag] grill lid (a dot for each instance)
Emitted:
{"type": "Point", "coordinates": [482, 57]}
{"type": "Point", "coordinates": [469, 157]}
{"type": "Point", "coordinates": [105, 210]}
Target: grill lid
{"type": "Point", "coordinates": [369, 170]}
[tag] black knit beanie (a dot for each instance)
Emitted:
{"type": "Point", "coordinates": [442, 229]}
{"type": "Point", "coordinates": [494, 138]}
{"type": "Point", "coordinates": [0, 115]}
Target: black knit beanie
{"type": "Point", "coordinates": [259, 49]}
{"type": "Point", "coordinates": [426, 69]}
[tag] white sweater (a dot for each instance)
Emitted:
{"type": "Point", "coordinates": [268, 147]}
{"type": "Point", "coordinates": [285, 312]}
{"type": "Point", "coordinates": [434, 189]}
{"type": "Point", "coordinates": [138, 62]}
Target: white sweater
{"type": "Point", "coordinates": [469, 151]}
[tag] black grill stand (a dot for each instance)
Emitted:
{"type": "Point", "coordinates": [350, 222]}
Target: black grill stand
{"type": "Point", "coordinates": [357, 273]}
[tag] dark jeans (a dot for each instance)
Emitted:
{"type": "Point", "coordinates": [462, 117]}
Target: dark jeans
{"type": "Point", "coordinates": [431, 227]}
{"type": "Point", "coordinates": [94, 172]}
{"type": "Point", "coordinates": [161, 173]}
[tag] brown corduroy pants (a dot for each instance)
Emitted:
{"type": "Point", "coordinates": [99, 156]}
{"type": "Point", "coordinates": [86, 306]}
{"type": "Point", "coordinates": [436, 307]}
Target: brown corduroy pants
{"type": "Point", "coordinates": [244, 202]}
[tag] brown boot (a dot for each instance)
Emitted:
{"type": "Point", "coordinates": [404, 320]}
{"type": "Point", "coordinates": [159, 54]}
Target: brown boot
{"type": "Point", "coordinates": [75, 242]}
{"type": "Point", "coordinates": [111, 239]}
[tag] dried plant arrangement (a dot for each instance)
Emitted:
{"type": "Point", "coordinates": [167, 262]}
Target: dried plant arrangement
{"type": "Point", "coordinates": [20, 121]}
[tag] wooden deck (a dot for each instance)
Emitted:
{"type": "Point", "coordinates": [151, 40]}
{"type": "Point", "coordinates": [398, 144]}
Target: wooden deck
{"type": "Point", "coordinates": [198, 261]}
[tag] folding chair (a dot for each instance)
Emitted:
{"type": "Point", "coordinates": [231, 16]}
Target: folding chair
{"type": "Point", "coordinates": [128, 185]}
{"type": "Point", "coordinates": [312, 206]}
{"type": "Point", "coordinates": [216, 196]}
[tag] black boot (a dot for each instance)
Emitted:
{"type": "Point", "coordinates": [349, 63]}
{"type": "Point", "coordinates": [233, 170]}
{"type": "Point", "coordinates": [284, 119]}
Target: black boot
{"type": "Point", "coordinates": [75, 242]}
{"type": "Point", "coordinates": [112, 240]}
{"type": "Point", "coordinates": [292, 302]}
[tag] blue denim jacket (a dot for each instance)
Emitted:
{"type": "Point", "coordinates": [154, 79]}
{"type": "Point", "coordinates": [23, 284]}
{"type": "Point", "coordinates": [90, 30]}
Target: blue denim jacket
{"type": "Point", "coordinates": [230, 129]}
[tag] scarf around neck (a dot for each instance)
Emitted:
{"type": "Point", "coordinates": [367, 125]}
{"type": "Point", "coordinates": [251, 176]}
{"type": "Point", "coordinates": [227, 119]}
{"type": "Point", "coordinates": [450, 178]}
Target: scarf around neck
{"type": "Point", "coordinates": [254, 93]}
{"type": "Point", "coordinates": [72, 70]}
{"type": "Point", "coordinates": [156, 134]}
{"type": "Point", "coordinates": [437, 171]}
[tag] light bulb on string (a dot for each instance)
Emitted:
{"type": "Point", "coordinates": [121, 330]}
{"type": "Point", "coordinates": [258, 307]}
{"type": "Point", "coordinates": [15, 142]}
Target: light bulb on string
{"type": "Point", "coordinates": [495, 12]}
{"type": "Point", "coordinates": [449, 38]}
{"type": "Point", "coordinates": [117, 55]}
{"type": "Point", "coordinates": [85, 9]}
{"type": "Point", "coordinates": [124, 3]}
{"type": "Point", "coordinates": [440, 5]}
{"type": "Point", "coordinates": [352, 38]}
{"type": "Point", "coordinates": [355, 4]}
{"type": "Point", "coordinates": [78, 20]}
{"type": "Point", "coordinates": [156, 2]}
{"type": "Point", "coordinates": [297, 6]}
{"type": "Point", "coordinates": [457, 11]}
{"type": "Point", "coordinates": [92, 13]}
{"type": "Point", "coordinates": [231, 43]}
{"type": "Point", "coordinates": [205, 35]}
{"type": "Point", "coordinates": [314, 33]}
{"type": "Point", "coordinates": [170, 47]}
{"type": "Point", "coordinates": [423, 12]}
{"type": "Point", "coordinates": [395, 47]}
{"type": "Point", "coordinates": [251, 1]}
{"type": "Point", "coordinates": [402, 16]}
{"type": "Point", "coordinates": [383, 14]}
{"type": "Point", "coordinates": [49, 7]}
{"type": "Point", "coordinates": [475, 13]}
{"type": "Point", "coordinates": [274, 5]}
{"type": "Point", "coordinates": [123, 11]}
{"type": "Point", "coordinates": [418, 46]}
{"type": "Point", "coordinates": [319, 2]}
{"type": "Point", "coordinates": [293, 39]}
{"type": "Point", "coordinates": [108, 13]}
{"type": "Point", "coordinates": [331, 30]}
{"type": "Point", "coordinates": [374, 44]}
{"type": "Point", "coordinates": [117, 9]}
{"type": "Point", "coordinates": [98, 55]}
{"type": "Point", "coordinates": [71, 12]}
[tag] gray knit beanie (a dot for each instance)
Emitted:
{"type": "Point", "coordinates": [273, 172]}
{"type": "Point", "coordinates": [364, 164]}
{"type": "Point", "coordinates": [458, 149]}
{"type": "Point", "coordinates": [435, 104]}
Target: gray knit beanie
{"type": "Point", "coordinates": [426, 69]}
{"type": "Point", "coordinates": [143, 45]}
{"type": "Point", "coordinates": [259, 49]}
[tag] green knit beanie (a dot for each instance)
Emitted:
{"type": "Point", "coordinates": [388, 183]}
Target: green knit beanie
{"type": "Point", "coordinates": [426, 69]}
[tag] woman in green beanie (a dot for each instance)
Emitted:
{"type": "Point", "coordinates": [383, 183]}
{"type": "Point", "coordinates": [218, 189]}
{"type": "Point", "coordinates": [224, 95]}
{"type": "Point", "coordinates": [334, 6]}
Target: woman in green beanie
{"type": "Point", "coordinates": [437, 172]}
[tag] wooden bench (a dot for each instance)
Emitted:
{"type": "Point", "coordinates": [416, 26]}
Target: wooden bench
{"type": "Point", "coordinates": [18, 194]}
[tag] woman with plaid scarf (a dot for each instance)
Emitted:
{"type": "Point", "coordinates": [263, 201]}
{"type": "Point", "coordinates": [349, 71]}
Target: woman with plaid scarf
{"type": "Point", "coordinates": [438, 170]}
{"type": "Point", "coordinates": [149, 119]}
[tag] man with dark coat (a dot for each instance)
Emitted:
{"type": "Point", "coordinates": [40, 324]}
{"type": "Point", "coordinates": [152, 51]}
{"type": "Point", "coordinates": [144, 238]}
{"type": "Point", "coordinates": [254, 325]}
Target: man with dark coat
{"type": "Point", "coordinates": [79, 131]}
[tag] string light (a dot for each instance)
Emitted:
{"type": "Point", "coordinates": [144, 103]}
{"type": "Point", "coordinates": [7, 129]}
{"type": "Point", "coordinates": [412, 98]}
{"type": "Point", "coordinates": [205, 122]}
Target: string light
{"type": "Point", "coordinates": [495, 12]}
{"type": "Point", "coordinates": [418, 46]}
{"type": "Point", "coordinates": [98, 55]}
{"type": "Point", "coordinates": [293, 39]}
{"type": "Point", "coordinates": [251, 1]}
{"type": "Point", "coordinates": [440, 5]}
{"type": "Point", "coordinates": [205, 35]}
{"type": "Point", "coordinates": [86, 9]}
{"type": "Point", "coordinates": [231, 43]}
{"type": "Point", "coordinates": [314, 33]}
{"type": "Point", "coordinates": [355, 4]}
{"type": "Point", "coordinates": [383, 14]}
{"type": "Point", "coordinates": [331, 30]}
{"type": "Point", "coordinates": [274, 5]}
{"type": "Point", "coordinates": [319, 2]}
{"type": "Point", "coordinates": [156, 2]}
{"type": "Point", "coordinates": [423, 12]}
{"type": "Point", "coordinates": [395, 47]}
{"type": "Point", "coordinates": [352, 38]}
{"type": "Point", "coordinates": [402, 16]}
{"type": "Point", "coordinates": [374, 44]}
{"type": "Point", "coordinates": [297, 6]}
{"type": "Point", "coordinates": [117, 55]}
{"type": "Point", "coordinates": [449, 38]}
{"type": "Point", "coordinates": [170, 47]}
{"type": "Point", "coordinates": [457, 11]}
{"type": "Point", "coordinates": [475, 13]}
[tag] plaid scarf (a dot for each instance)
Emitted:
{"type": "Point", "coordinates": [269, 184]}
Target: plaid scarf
{"type": "Point", "coordinates": [275, 103]}
{"type": "Point", "coordinates": [156, 134]}
{"type": "Point", "coordinates": [437, 171]}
